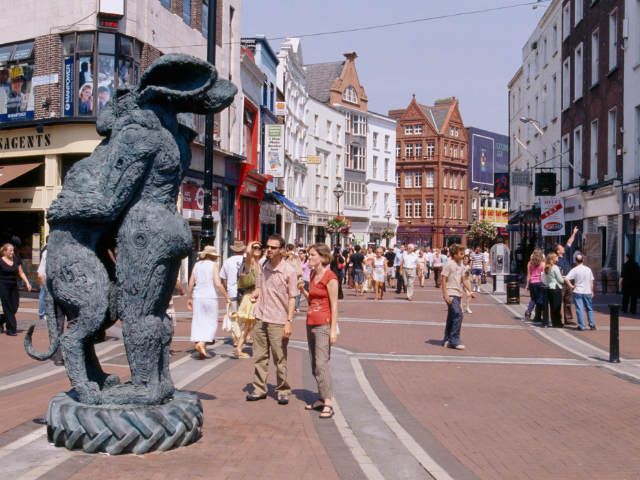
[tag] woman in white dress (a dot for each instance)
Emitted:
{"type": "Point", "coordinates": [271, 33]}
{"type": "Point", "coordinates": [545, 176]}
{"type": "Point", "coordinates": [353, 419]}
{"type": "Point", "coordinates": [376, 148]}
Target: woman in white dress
{"type": "Point", "coordinates": [379, 274]}
{"type": "Point", "coordinates": [203, 298]}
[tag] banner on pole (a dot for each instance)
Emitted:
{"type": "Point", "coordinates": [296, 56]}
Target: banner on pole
{"type": "Point", "coordinates": [274, 150]}
{"type": "Point", "coordinates": [552, 216]}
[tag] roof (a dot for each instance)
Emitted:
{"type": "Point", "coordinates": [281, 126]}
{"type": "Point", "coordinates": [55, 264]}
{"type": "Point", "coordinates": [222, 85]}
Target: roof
{"type": "Point", "coordinates": [436, 114]}
{"type": "Point", "coordinates": [320, 77]}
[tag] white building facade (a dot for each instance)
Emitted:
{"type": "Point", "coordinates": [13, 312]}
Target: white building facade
{"type": "Point", "coordinates": [295, 227]}
{"type": "Point", "coordinates": [380, 179]}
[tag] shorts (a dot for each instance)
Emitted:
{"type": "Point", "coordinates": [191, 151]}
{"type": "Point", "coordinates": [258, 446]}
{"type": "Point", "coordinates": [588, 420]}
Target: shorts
{"type": "Point", "coordinates": [358, 276]}
{"type": "Point", "coordinates": [476, 271]}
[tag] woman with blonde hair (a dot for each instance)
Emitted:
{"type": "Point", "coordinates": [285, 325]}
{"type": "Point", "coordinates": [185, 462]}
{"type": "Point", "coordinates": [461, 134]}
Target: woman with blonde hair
{"type": "Point", "coordinates": [247, 282]}
{"type": "Point", "coordinates": [534, 284]}
{"type": "Point", "coordinates": [322, 323]}
{"type": "Point", "coordinates": [10, 271]}
{"type": "Point", "coordinates": [379, 274]}
{"type": "Point", "coordinates": [553, 281]}
{"type": "Point", "coordinates": [203, 298]}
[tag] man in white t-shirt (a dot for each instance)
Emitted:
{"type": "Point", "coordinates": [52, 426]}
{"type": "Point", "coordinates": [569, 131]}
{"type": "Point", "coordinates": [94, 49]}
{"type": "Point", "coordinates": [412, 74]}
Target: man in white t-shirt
{"type": "Point", "coordinates": [429, 256]}
{"type": "Point", "coordinates": [581, 280]}
{"type": "Point", "coordinates": [408, 266]}
{"type": "Point", "coordinates": [229, 273]}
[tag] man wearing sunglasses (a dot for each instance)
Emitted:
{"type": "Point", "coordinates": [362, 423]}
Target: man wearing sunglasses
{"type": "Point", "coordinates": [274, 310]}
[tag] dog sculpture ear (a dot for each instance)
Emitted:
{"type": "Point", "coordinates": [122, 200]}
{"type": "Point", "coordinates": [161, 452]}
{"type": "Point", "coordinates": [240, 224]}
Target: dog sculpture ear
{"type": "Point", "coordinates": [186, 83]}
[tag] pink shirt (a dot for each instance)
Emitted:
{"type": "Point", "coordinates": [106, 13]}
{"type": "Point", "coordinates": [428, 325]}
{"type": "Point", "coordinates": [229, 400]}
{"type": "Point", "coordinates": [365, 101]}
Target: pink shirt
{"type": "Point", "coordinates": [277, 285]}
{"type": "Point", "coordinates": [535, 273]}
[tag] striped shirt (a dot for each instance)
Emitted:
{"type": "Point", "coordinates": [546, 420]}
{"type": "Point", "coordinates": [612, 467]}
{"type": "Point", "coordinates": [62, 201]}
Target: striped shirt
{"type": "Point", "coordinates": [477, 261]}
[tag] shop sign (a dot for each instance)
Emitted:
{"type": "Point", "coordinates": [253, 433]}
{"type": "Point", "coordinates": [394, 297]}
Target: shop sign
{"type": "Point", "coordinates": [630, 202]}
{"type": "Point", "coordinates": [25, 142]}
{"type": "Point", "coordinates": [68, 87]}
{"type": "Point", "coordinates": [281, 108]}
{"type": "Point", "coordinates": [16, 91]}
{"type": "Point", "coordinates": [552, 216]}
{"type": "Point", "coordinates": [193, 201]}
{"type": "Point", "coordinates": [40, 80]}
{"type": "Point", "coordinates": [17, 199]}
{"type": "Point", "coordinates": [274, 150]}
{"type": "Point", "coordinates": [313, 160]}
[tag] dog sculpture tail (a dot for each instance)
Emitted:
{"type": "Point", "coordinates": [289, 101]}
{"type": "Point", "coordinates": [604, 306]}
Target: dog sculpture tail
{"type": "Point", "coordinates": [52, 326]}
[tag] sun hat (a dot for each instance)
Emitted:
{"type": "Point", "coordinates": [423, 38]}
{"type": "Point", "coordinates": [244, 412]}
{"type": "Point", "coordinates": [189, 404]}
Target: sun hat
{"type": "Point", "coordinates": [238, 246]}
{"type": "Point", "coordinates": [208, 251]}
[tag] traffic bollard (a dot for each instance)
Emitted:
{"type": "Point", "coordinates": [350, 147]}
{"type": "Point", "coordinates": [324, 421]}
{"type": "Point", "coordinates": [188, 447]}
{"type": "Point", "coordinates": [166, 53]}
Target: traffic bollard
{"type": "Point", "coordinates": [614, 333]}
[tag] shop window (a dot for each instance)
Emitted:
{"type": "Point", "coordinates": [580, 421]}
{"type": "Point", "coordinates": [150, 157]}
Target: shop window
{"type": "Point", "coordinates": [94, 67]}
{"type": "Point", "coordinates": [16, 87]}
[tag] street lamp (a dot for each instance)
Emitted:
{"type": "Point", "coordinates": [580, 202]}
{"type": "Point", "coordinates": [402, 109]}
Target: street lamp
{"type": "Point", "coordinates": [338, 191]}
{"type": "Point", "coordinates": [533, 122]}
{"type": "Point", "coordinates": [388, 217]}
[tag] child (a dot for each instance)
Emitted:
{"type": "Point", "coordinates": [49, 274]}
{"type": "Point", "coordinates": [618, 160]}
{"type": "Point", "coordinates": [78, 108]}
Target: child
{"type": "Point", "coordinates": [454, 285]}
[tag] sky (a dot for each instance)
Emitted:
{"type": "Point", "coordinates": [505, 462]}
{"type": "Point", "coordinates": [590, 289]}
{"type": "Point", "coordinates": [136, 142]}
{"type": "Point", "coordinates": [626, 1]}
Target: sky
{"type": "Point", "coordinates": [470, 57]}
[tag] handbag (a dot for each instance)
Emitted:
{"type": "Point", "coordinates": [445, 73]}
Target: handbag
{"type": "Point", "coordinates": [483, 278]}
{"type": "Point", "coordinates": [246, 278]}
{"type": "Point", "coordinates": [226, 321]}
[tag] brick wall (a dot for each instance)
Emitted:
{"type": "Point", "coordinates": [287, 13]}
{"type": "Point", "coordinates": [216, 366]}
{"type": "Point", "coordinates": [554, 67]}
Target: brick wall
{"type": "Point", "coordinates": [149, 55]}
{"type": "Point", "coordinates": [48, 60]}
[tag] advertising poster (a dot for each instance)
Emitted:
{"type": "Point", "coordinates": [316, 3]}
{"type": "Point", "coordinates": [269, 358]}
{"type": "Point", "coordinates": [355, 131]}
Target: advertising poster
{"type": "Point", "coordinates": [274, 150]}
{"type": "Point", "coordinates": [552, 216]}
{"type": "Point", "coordinates": [68, 87]}
{"type": "Point", "coordinates": [85, 83]}
{"type": "Point", "coordinates": [501, 185]}
{"type": "Point", "coordinates": [482, 161]}
{"type": "Point", "coordinates": [16, 92]}
{"type": "Point", "coordinates": [106, 79]}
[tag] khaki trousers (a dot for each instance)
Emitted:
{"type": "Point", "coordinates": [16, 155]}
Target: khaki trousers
{"type": "Point", "coordinates": [267, 338]}
{"type": "Point", "coordinates": [318, 339]}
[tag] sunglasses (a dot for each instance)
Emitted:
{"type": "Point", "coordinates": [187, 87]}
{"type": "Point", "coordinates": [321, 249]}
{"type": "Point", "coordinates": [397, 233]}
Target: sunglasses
{"type": "Point", "coordinates": [271, 247]}
{"type": "Point", "coordinates": [257, 247]}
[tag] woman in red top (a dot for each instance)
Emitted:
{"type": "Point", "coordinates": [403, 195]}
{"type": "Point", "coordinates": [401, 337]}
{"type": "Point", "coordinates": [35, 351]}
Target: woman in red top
{"type": "Point", "coordinates": [322, 323]}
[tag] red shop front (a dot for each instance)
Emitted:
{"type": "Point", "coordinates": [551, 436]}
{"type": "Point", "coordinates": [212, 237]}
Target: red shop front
{"type": "Point", "coordinates": [250, 195]}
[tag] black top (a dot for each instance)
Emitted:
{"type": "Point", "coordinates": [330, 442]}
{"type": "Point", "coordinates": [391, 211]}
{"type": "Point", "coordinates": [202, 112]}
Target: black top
{"type": "Point", "coordinates": [391, 257]}
{"type": "Point", "coordinates": [630, 276]}
{"type": "Point", "coordinates": [356, 260]}
{"type": "Point", "coordinates": [9, 273]}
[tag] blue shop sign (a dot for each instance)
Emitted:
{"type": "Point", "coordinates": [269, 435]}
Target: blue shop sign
{"type": "Point", "coordinates": [630, 202]}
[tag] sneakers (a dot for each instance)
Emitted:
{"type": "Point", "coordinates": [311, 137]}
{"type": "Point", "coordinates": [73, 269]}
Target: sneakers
{"type": "Point", "coordinates": [468, 310]}
{"type": "Point", "coordinates": [457, 347]}
{"type": "Point", "coordinates": [527, 316]}
{"type": "Point", "coordinates": [592, 327]}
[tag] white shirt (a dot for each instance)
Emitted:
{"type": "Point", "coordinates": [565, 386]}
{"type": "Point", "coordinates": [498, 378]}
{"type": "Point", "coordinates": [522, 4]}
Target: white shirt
{"type": "Point", "coordinates": [582, 277]}
{"type": "Point", "coordinates": [409, 260]}
{"type": "Point", "coordinates": [42, 268]}
{"type": "Point", "coordinates": [229, 273]}
{"type": "Point", "coordinates": [429, 257]}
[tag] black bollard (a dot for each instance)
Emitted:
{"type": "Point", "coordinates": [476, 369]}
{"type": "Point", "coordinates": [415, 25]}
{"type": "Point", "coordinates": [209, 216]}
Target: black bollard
{"type": "Point", "coordinates": [614, 333]}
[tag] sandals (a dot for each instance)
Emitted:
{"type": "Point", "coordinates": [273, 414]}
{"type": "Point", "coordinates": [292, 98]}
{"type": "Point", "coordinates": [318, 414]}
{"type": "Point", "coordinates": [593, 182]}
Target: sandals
{"type": "Point", "coordinates": [317, 406]}
{"type": "Point", "coordinates": [327, 412]}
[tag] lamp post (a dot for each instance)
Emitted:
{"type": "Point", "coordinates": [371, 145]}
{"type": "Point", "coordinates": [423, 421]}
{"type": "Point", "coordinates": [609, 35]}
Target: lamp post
{"type": "Point", "coordinates": [388, 217]}
{"type": "Point", "coordinates": [338, 191]}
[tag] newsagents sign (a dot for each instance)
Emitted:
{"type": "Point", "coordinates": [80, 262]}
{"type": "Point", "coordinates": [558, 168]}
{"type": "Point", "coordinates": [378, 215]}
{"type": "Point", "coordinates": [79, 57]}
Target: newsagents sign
{"type": "Point", "coordinates": [630, 202]}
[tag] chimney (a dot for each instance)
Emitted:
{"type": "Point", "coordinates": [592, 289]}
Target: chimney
{"type": "Point", "coordinates": [350, 56]}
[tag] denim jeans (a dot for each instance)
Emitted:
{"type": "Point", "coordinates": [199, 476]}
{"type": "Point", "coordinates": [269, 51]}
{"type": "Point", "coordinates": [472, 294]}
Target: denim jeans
{"type": "Point", "coordinates": [537, 298]}
{"type": "Point", "coordinates": [454, 322]}
{"type": "Point", "coordinates": [583, 300]}
{"type": "Point", "coordinates": [41, 305]}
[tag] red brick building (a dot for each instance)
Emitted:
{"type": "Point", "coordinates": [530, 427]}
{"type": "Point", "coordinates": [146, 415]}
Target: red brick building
{"type": "Point", "coordinates": [431, 173]}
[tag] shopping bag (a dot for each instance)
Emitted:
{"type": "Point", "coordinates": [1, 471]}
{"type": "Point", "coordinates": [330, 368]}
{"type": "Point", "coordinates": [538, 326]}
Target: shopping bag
{"type": "Point", "coordinates": [226, 321]}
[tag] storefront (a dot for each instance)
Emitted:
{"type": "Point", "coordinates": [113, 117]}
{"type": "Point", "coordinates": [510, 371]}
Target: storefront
{"type": "Point", "coordinates": [631, 222]}
{"type": "Point", "coordinates": [251, 191]}
{"type": "Point", "coordinates": [420, 236]}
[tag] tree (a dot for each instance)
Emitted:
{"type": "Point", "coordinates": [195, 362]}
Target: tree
{"type": "Point", "coordinates": [482, 233]}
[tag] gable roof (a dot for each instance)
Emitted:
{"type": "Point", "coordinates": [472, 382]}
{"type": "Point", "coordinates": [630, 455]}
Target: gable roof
{"type": "Point", "coordinates": [320, 78]}
{"type": "Point", "coordinates": [436, 114]}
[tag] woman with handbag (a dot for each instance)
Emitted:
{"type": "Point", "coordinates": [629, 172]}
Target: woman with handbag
{"type": "Point", "coordinates": [247, 282]}
{"type": "Point", "coordinates": [203, 299]}
{"type": "Point", "coordinates": [322, 324]}
{"type": "Point", "coordinates": [553, 281]}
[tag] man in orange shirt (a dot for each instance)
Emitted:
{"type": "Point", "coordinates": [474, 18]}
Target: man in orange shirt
{"type": "Point", "coordinates": [274, 310]}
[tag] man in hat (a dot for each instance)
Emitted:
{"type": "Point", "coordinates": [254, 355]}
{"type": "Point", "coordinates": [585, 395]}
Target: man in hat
{"type": "Point", "coordinates": [16, 100]}
{"type": "Point", "coordinates": [229, 273]}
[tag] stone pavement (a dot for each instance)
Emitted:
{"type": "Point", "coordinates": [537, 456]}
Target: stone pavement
{"type": "Point", "coordinates": [520, 402]}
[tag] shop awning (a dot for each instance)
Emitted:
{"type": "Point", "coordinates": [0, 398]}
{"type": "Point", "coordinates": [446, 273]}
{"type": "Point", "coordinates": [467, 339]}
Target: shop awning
{"type": "Point", "coordinates": [289, 205]}
{"type": "Point", "coordinates": [11, 172]}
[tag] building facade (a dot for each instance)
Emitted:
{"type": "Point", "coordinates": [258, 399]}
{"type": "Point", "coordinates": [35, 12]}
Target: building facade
{"type": "Point", "coordinates": [431, 173]}
{"type": "Point", "coordinates": [592, 120]}
{"type": "Point", "coordinates": [58, 72]}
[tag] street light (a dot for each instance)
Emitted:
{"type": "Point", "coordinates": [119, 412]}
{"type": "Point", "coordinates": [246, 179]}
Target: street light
{"type": "Point", "coordinates": [533, 122]}
{"type": "Point", "coordinates": [338, 191]}
{"type": "Point", "coordinates": [388, 217]}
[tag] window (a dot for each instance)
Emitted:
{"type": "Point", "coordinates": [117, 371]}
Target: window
{"type": "Point", "coordinates": [613, 40]}
{"type": "Point", "coordinates": [316, 126]}
{"type": "Point", "coordinates": [386, 169]}
{"type": "Point", "coordinates": [636, 143]}
{"type": "Point", "coordinates": [566, 85]}
{"type": "Point", "coordinates": [452, 209]}
{"type": "Point", "coordinates": [544, 51]}
{"type": "Point", "coordinates": [318, 196]}
{"type": "Point", "coordinates": [375, 167]}
{"type": "Point", "coordinates": [355, 194]}
{"type": "Point", "coordinates": [461, 210]}
{"type": "Point", "coordinates": [595, 57]}
{"type": "Point", "coordinates": [408, 208]}
{"type": "Point", "coordinates": [398, 184]}
{"type": "Point", "coordinates": [543, 115]}
{"type": "Point", "coordinates": [417, 209]}
{"type": "Point", "coordinates": [375, 139]}
{"type": "Point", "coordinates": [462, 182]}
{"type": "Point", "coordinates": [444, 209]}
{"type": "Point", "coordinates": [374, 204]}
{"type": "Point", "coordinates": [398, 150]}
{"type": "Point", "coordinates": [16, 87]}
{"type": "Point", "coordinates": [350, 95]}
{"type": "Point", "coordinates": [359, 125]}
{"type": "Point", "coordinates": [398, 209]}
{"type": "Point", "coordinates": [566, 20]}
{"type": "Point", "coordinates": [356, 158]}
{"type": "Point", "coordinates": [554, 96]}
{"type": "Point", "coordinates": [408, 180]}
{"type": "Point", "coordinates": [205, 16]}
{"type": "Point", "coordinates": [186, 11]}
{"type": "Point", "coordinates": [612, 121]}
{"type": "Point", "coordinates": [445, 184]}
{"type": "Point", "coordinates": [338, 165]}
{"type": "Point", "coordinates": [431, 149]}
{"type": "Point", "coordinates": [578, 68]}
{"type": "Point", "coordinates": [166, 3]}
{"type": "Point", "coordinates": [386, 143]}
{"type": "Point", "coordinates": [338, 133]}
{"type": "Point", "coordinates": [417, 148]}
{"type": "Point", "coordinates": [593, 158]}
{"type": "Point", "coordinates": [554, 38]}
{"type": "Point", "coordinates": [328, 134]}
{"type": "Point", "coordinates": [408, 129]}
{"type": "Point", "coordinates": [417, 179]}
{"type": "Point", "coordinates": [565, 163]}
{"type": "Point", "coordinates": [577, 156]}
{"type": "Point", "coordinates": [429, 209]}
{"type": "Point", "coordinates": [408, 150]}
{"type": "Point", "coordinates": [417, 129]}
{"type": "Point", "coordinates": [578, 10]}
{"type": "Point", "coordinates": [429, 183]}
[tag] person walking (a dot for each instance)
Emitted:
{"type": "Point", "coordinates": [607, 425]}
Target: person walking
{"type": "Point", "coordinates": [630, 285]}
{"type": "Point", "coordinates": [581, 281]}
{"type": "Point", "coordinates": [306, 272]}
{"type": "Point", "coordinates": [454, 286]}
{"type": "Point", "coordinates": [422, 267]}
{"type": "Point", "coordinates": [429, 255]}
{"type": "Point", "coordinates": [554, 282]}
{"type": "Point", "coordinates": [322, 324]}
{"type": "Point", "coordinates": [565, 254]}
{"type": "Point", "coordinates": [356, 260]}
{"type": "Point", "coordinates": [10, 271]}
{"type": "Point", "coordinates": [466, 299]}
{"type": "Point", "coordinates": [408, 266]}
{"type": "Point", "coordinates": [247, 283]}
{"type": "Point", "coordinates": [437, 265]}
{"type": "Point", "coordinates": [274, 310]}
{"type": "Point", "coordinates": [400, 285]}
{"type": "Point", "coordinates": [379, 274]}
{"type": "Point", "coordinates": [535, 267]}
{"type": "Point", "coordinates": [294, 260]}
{"type": "Point", "coordinates": [229, 277]}
{"type": "Point", "coordinates": [205, 287]}
{"type": "Point", "coordinates": [477, 267]}
{"type": "Point", "coordinates": [338, 267]}
{"type": "Point", "coordinates": [391, 258]}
